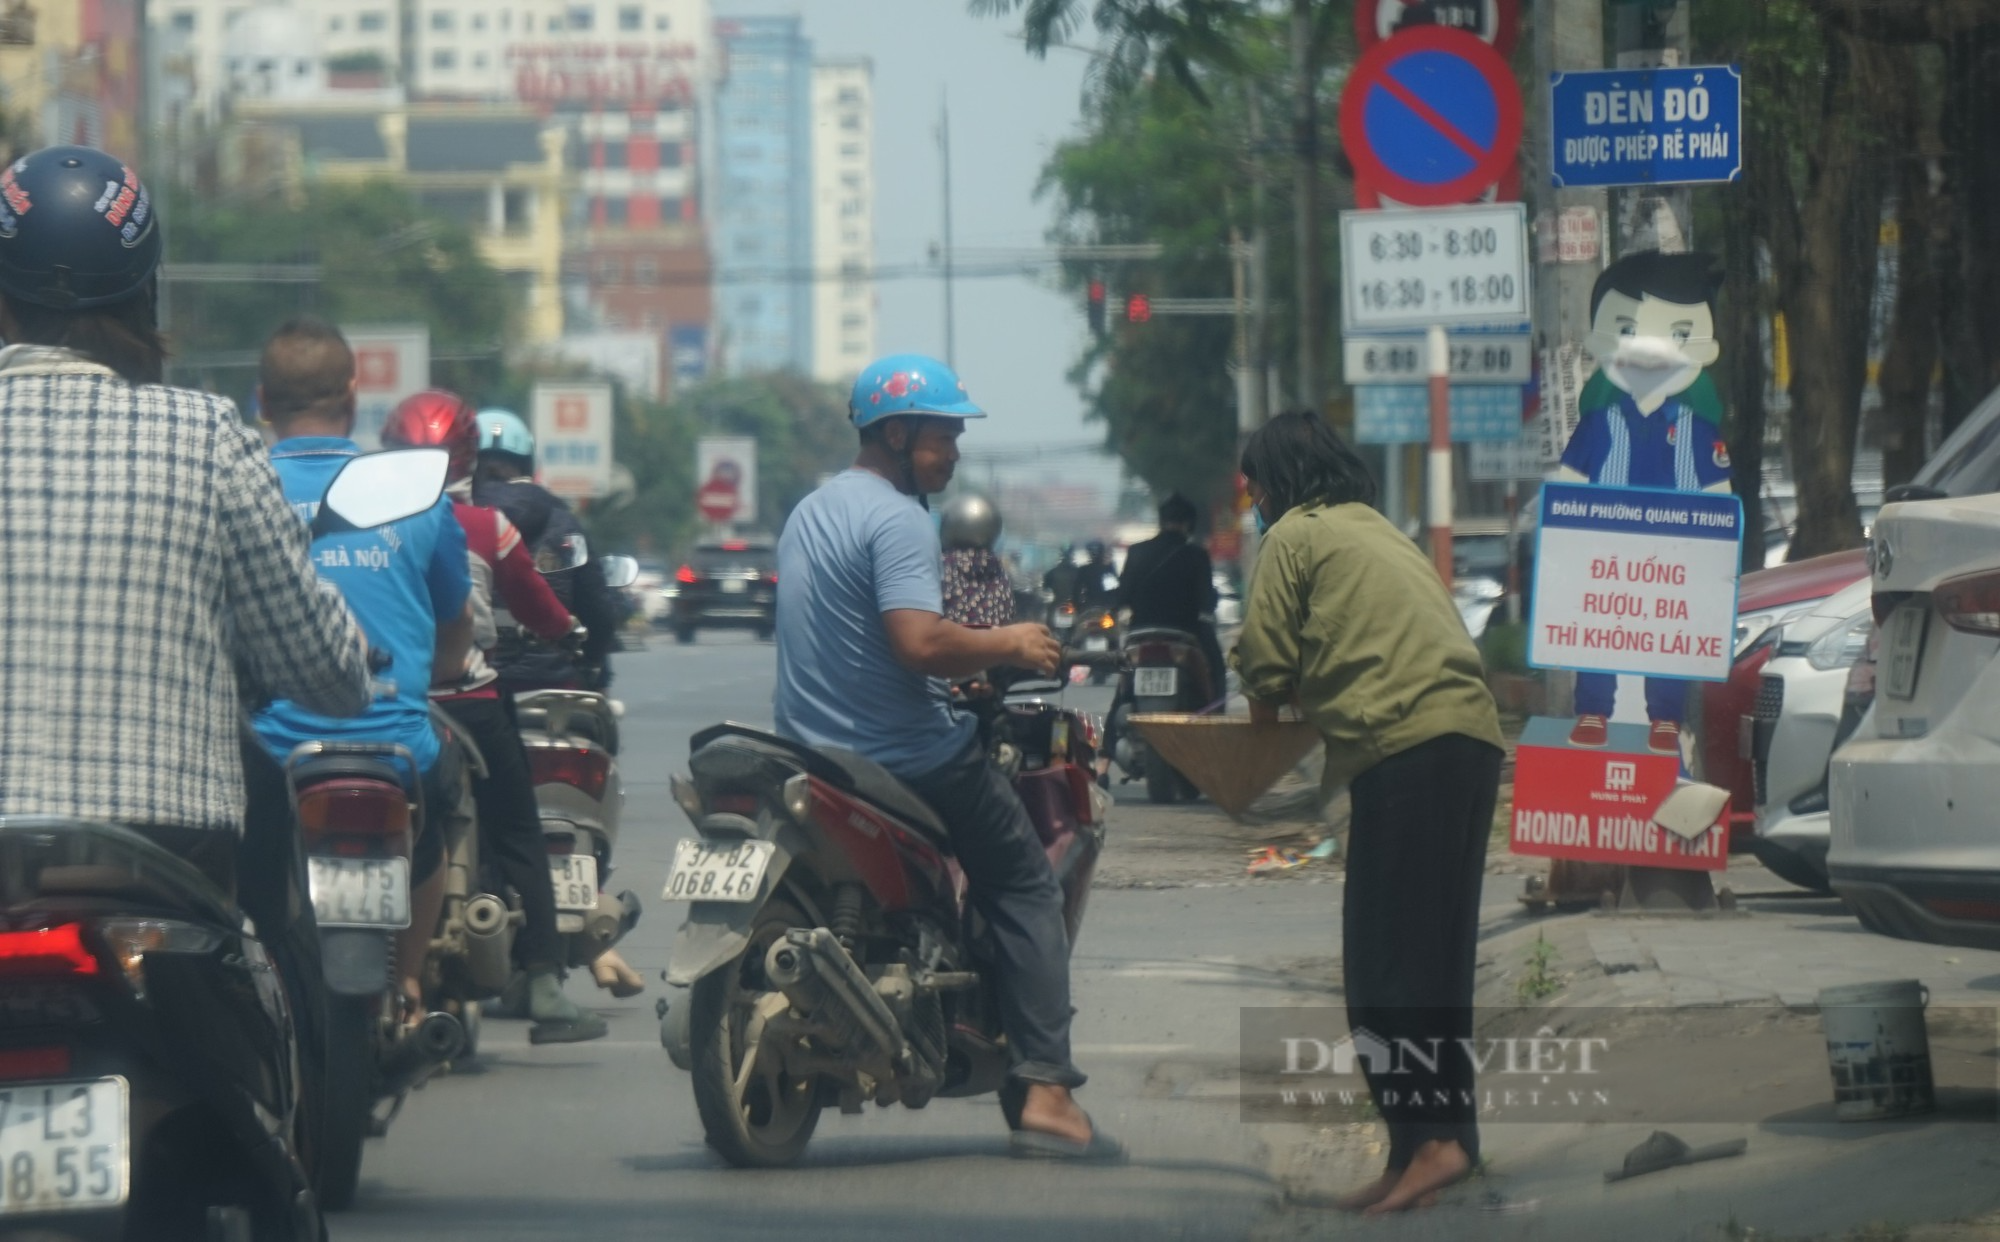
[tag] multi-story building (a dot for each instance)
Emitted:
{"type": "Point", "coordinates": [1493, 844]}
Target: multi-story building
{"type": "Point", "coordinates": [843, 210]}
{"type": "Point", "coordinates": [496, 168]}
{"type": "Point", "coordinates": [762, 203]}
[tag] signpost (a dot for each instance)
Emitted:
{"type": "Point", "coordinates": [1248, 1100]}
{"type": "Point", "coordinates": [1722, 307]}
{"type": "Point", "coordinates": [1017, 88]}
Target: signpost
{"type": "Point", "coordinates": [1457, 266]}
{"type": "Point", "coordinates": [1430, 118]}
{"type": "Point", "coordinates": [1497, 22]}
{"type": "Point", "coordinates": [1400, 413]}
{"type": "Point", "coordinates": [726, 479]}
{"type": "Point", "coordinates": [1495, 358]}
{"type": "Point", "coordinates": [1647, 126]}
{"type": "Point", "coordinates": [390, 363]}
{"type": "Point", "coordinates": [572, 424]}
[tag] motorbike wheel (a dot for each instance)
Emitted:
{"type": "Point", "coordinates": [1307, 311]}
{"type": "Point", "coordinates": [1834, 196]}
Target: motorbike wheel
{"type": "Point", "coordinates": [350, 1098]}
{"type": "Point", "coordinates": [755, 1118]}
{"type": "Point", "coordinates": [468, 1018]}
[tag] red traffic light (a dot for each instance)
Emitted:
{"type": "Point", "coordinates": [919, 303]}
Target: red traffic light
{"type": "Point", "coordinates": [1138, 308]}
{"type": "Point", "coordinates": [1095, 308]}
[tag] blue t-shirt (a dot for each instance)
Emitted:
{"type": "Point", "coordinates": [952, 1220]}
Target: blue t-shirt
{"type": "Point", "coordinates": [398, 580]}
{"type": "Point", "coordinates": [853, 550]}
{"type": "Point", "coordinates": [1673, 447]}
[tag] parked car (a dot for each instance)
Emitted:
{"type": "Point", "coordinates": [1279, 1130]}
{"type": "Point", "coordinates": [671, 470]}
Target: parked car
{"type": "Point", "coordinates": [1799, 716]}
{"type": "Point", "coordinates": [646, 592]}
{"type": "Point", "coordinates": [728, 585]}
{"type": "Point", "coordinates": [1765, 601]}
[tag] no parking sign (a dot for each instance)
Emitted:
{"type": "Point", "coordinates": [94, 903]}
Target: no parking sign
{"type": "Point", "coordinates": [1431, 118]}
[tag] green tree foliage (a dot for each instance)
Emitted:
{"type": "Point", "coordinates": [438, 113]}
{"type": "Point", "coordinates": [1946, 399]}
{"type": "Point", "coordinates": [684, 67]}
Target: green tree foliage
{"type": "Point", "coordinates": [384, 260]}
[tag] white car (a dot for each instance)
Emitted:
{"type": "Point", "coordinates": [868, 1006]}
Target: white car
{"type": "Point", "coordinates": [1800, 706]}
{"type": "Point", "coordinates": [1916, 793]}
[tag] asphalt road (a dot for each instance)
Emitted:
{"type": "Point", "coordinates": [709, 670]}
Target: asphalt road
{"type": "Point", "coordinates": [600, 1141]}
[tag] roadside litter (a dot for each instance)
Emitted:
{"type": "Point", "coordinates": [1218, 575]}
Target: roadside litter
{"type": "Point", "coordinates": [1662, 1150]}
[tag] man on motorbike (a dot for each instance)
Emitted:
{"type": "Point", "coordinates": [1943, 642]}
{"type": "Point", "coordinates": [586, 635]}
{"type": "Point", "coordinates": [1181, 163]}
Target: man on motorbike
{"type": "Point", "coordinates": [504, 479]}
{"type": "Point", "coordinates": [510, 827]}
{"type": "Point", "coordinates": [1060, 580]}
{"type": "Point", "coordinates": [863, 653]}
{"type": "Point", "coordinates": [1168, 582]}
{"type": "Point", "coordinates": [1096, 578]}
{"type": "Point", "coordinates": [408, 584]}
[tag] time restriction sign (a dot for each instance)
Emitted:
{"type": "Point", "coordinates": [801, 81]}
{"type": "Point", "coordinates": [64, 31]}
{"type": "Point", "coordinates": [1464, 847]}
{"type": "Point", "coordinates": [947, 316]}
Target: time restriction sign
{"type": "Point", "coordinates": [1449, 266]}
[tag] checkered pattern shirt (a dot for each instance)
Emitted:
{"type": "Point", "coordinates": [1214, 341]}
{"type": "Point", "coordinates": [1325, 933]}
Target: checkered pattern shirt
{"type": "Point", "coordinates": [147, 560]}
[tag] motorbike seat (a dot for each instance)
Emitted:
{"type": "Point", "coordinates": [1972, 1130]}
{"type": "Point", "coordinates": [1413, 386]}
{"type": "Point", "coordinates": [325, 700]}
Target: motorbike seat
{"type": "Point", "coordinates": [1161, 634]}
{"type": "Point", "coordinates": [849, 772]}
{"type": "Point", "coordinates": [333, 766]}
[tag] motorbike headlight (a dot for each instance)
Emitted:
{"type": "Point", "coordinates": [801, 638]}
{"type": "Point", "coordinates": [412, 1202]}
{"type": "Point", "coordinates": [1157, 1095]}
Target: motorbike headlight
{"type": "Point", "coordinates": [1841, 646]}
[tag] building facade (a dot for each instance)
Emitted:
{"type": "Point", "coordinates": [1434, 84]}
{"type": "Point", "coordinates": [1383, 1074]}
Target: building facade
{"type": "Point", "coordinates": [843, 209]}
{"type": "Point", "coordinates": [762, 217]}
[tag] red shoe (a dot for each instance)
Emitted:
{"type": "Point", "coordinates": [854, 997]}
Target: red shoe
{"type": "Point", "coordinates": [1664, 738]}
{"type": "Point", "coordinates": [1593, 732]}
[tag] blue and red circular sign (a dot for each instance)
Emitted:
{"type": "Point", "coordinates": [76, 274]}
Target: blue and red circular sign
{"type": "Point", "coordinates": [1496, 21]}
{"type": "Point", "coordinates": [1431, 118]}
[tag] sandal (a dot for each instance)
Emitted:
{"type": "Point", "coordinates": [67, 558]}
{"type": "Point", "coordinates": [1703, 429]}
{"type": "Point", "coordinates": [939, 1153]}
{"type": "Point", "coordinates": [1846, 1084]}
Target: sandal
{"type": "Point", "coordinates": [1040, 1145]}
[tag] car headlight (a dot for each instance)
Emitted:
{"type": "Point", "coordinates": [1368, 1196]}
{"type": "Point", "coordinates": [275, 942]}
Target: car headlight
{"type": "Point", "coordinates": [1843, 645]}
{"type": "Point", "coordinates": [1753, 627]}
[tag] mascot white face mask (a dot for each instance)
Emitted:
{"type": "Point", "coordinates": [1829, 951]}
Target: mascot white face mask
{"type": "Point", "coordinates": [1651, 348]}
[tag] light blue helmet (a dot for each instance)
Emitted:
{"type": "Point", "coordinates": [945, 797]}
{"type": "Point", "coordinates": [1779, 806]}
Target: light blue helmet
{"type": "Point", "coordinates": [908, 384]}
{"type": "Point", "coordinates": [503, 431]}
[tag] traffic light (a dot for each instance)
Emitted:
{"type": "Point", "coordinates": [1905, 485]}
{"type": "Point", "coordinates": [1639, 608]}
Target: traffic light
{"type": "Point", "coordinates": [1138, 309]}
{"type": "Point", "coordinates": [1095, 310]}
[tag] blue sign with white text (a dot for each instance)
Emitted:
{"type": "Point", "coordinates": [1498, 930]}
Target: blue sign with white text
{"type": "Point", "coordinates": [1647, 126]}
{"type": "Point", "coordinates": [1401, 413]}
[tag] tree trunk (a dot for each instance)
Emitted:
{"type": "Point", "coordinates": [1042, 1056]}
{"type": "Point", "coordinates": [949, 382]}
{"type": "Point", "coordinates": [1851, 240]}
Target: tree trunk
{"type": "Point", "coordinates": [1968, 262]}
{"type": "Point", "coordinates": [1911, 355]}
{"type": "Point", "coordinates": [1311, 258]}
{"type": "Point", "coordinates": [1739, 329]}
{"type": "Point", "coordinates": [1828, 292]}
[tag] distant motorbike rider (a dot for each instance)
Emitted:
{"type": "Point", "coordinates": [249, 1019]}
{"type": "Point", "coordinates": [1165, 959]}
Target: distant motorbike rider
{"type": "Point", "coordinates": [864, 650]}
{"type": "Point", "coordinates": [409, 586]}
{"type": "Point", "coordinates": [976, 587]}
{"type": "Point", "coordinates": [504, 480]}
{"type": "Point", "coordinates": [1060, 580]}
{"type": "Point", "coordinates": [1169, 583]}
{"type": "Point", "coordinates": [156, 577]}
{"type": "Point", "coordinates": [510, 825]}
{"type": "Point", "coordinates": [1096, 578]}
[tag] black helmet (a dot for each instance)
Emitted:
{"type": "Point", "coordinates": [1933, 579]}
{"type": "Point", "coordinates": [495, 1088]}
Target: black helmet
{"type": "Point", "coordinates": [77, 229]}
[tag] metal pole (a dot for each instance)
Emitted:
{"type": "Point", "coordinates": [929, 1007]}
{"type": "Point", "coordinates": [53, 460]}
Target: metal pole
{"type": "Point", "coordinates": [1260, 285]}
{"type": "Point", "coordinates": [1653, 218]}
{"type": "Point", "coordinates": [1306, 221]}
{"type": "Point", "coordinates": [1438, 482]}
{"type": "Point", "coordinates": [950, 308]}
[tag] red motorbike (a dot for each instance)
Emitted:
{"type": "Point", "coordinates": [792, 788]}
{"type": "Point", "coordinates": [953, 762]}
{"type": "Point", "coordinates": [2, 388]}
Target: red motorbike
{"type": "Point", "coordinates": [830, 953]}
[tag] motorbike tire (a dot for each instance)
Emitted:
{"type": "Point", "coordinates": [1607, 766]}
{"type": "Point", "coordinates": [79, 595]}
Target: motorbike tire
{"type": "Point", "coordinates": [747, 1131]}
{"type": "Point", "coordinates": [350, 1098]}
{"type": "Point", "coordinates": [468, 1018]}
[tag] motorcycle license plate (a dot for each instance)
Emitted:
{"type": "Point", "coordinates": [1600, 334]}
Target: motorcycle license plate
{"type": "Point", "coordinates": [1097, 644]}
{"type": "Point", "coordinates": [704, 872]}
{"type": "Point", "coordinates": [574, 877]}
{"type": "Point", "coordinates": [63, 1145]}
{"type": "Point", "coordinates": [1156, 683]}
{"type": "Point", "coordinates": [360, 892]}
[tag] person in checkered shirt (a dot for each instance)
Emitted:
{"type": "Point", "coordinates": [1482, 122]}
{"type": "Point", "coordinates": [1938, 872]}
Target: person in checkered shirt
{"type": "Point", "coordinates": [156, 579]}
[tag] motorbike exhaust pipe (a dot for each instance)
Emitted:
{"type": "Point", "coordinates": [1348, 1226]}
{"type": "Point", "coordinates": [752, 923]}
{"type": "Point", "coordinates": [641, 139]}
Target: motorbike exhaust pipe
{"type": "Point", "coordinates": [823, 983]}
{"type": "Point", "coordinates": [614, 916]}
{"type": "Point", "coordinates": [432, 1042]}
{"type": "Point", "coordinates": [489, 942]}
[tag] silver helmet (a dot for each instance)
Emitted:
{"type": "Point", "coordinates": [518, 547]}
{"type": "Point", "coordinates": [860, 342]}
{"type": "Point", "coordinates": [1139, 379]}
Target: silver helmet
{"type": "Point", "coordinates": [969, 521]}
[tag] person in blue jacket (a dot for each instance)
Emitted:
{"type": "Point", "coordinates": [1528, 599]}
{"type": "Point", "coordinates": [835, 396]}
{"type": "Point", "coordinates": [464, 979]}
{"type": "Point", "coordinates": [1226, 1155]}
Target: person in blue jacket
{"type": "Point", "coordinates": [1652, 331]}
{"type": "Point", "coordinates": [408, 584]}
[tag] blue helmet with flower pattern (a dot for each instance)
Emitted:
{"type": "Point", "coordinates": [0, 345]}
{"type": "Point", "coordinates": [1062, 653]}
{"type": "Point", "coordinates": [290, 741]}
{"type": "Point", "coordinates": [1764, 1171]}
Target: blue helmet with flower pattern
{"type": "Point", "coordinates": [909, 384]}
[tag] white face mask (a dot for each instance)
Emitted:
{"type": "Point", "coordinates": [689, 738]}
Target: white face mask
{"type": "Point", "coordinates": [1649, 366]}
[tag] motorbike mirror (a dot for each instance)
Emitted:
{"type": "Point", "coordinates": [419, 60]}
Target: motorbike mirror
{"type": "Point", "coordinates": [572, 553]}
{"type": "Point", "coordinates": [376, 489]}
{"type": "Point", "coordinates": [620, 572]}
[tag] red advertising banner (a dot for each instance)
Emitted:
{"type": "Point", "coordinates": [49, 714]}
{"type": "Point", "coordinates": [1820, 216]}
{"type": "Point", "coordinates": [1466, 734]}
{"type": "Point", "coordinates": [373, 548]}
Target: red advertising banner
{"type": "Point", "coordinates": [1598, 805]}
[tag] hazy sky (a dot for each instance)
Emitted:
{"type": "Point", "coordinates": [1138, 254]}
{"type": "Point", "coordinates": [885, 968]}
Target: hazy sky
{"type": "Point", "coordinates": [1016, 337]}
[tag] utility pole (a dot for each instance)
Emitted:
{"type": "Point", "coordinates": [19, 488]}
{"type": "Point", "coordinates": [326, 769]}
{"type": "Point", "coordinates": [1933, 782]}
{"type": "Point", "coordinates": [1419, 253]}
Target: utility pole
{"type": "Point", "coordinates": [1259, 348]}
{"type": "Point", "coordinates": [1648, 36]}
{"type": "Point", "coordinates": [1311, 258]}
{"type": "Point", "coordinates": [950, 306]}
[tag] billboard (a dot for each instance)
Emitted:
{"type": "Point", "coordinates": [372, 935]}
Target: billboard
{"type": "Point", "coordinates": [391, 361]}
{"type": "Point", "coordinates": [572, 425]}
{"type": "Point", "coordinates": [725, 479]}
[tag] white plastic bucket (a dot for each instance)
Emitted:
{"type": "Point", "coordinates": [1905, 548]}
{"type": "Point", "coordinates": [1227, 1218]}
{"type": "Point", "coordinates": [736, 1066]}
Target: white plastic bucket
{"type": "Point", "coordinates": [1878, 1050]}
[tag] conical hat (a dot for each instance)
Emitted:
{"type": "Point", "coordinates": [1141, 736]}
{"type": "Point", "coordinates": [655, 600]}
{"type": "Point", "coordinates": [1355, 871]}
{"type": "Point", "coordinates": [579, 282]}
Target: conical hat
{"type": "Point", "coordinates": [1232, 761]}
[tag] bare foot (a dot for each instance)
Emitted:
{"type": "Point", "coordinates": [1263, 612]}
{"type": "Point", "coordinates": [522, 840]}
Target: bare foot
{"type": "Point", "coordinates": [1052, 1110]}
{"type": "Point", "coordinates": [1438, 1164]}
{"type": "Point", "coordinates": [1370, 1195]}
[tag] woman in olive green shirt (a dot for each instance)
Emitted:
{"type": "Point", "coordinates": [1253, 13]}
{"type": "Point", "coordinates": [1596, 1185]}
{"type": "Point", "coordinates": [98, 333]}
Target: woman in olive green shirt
{"type": "Point", "coordinates": [1347, 620]}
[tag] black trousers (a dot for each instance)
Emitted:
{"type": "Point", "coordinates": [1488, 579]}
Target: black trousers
{"type": "Point", "coordinates": [1410, 929]}
{"type": "Point", "coordinates": [510, 825]}
{"type": "Point", "coordinates": [1014, 889]}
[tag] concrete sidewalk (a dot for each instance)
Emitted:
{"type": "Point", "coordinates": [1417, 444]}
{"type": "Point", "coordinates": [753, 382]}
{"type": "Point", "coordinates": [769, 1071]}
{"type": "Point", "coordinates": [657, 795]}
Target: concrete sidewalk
{"type": "Point", "coordinates": [1729, 1005]}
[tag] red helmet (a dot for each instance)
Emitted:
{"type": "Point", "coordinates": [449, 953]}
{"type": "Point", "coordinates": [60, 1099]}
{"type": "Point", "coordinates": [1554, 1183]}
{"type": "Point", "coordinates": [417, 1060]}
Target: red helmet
{"type": "Point", "coordinates": [435, 418]}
